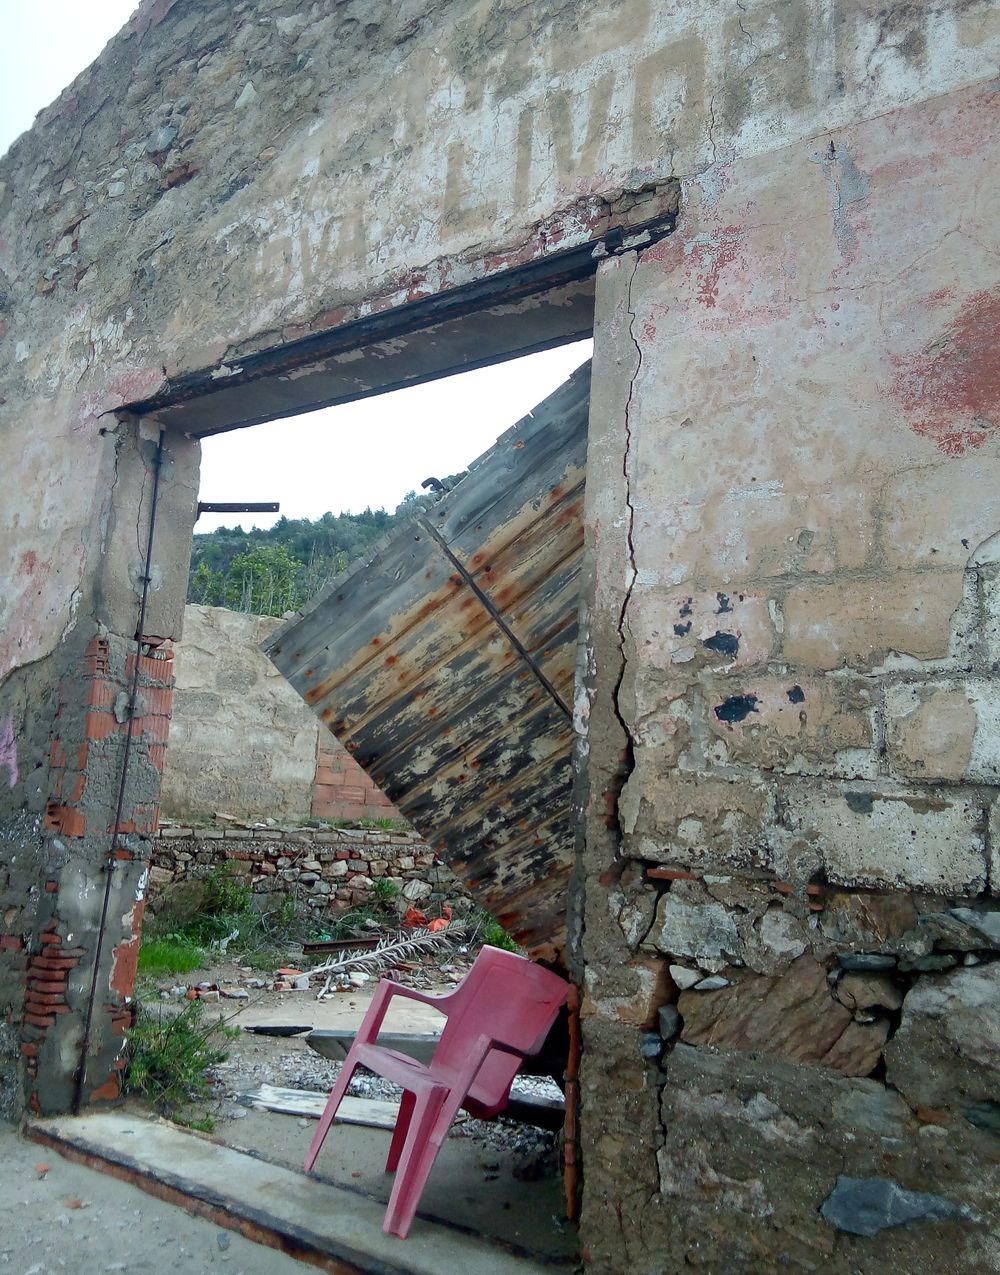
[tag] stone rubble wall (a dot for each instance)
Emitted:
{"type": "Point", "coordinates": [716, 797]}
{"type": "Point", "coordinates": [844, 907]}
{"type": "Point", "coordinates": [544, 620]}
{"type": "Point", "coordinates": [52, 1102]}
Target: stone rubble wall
{"type": "Point", "coordinates": [328, 872]}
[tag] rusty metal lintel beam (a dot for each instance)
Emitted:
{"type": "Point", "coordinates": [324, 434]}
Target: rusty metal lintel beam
{"type": "Point", "coordinates": [516, 283]}
{"type": "Point", "coordinates": [496, 617]}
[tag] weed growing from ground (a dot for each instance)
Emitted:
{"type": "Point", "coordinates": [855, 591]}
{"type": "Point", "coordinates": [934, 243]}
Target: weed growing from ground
{"type": "Point", "coordinates": [169, 1055]}
{"type": "Point", "coordinates": [489, 930]}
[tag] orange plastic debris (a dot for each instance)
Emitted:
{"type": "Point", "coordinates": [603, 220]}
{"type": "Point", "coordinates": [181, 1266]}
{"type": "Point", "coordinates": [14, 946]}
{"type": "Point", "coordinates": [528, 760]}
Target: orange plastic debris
{"type": "Point", "coordinates": [413, 918]}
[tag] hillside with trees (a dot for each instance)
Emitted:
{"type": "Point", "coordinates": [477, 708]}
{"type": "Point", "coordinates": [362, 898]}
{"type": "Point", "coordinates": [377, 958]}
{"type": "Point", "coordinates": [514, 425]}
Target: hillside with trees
{"type": "Point", "coordinates": [277, 570]}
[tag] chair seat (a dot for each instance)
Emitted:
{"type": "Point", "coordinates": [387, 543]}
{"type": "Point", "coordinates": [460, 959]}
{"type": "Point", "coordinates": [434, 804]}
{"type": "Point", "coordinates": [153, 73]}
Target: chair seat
{"type": "Point", "coordinates": [401, 1069]}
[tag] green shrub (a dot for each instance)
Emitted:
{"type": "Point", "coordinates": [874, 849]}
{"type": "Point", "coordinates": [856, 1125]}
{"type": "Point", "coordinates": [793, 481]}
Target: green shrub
{"type": "Point", "coordinates": [169, 1054]}
{"type": "Point", "coordinates": [493, 933]}
{"type": "Point", "coordinates": [385, 892]}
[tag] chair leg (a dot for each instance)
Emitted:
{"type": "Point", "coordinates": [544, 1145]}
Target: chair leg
{"type": "Point", "coordinates": [419, 1153]}
{"type": "Point", "coordinates": [400, 1131]}
{"type": "Point", "coordinates": [329, 1111]}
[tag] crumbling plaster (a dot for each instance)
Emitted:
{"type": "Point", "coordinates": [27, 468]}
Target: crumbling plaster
{"type": "Point", "coordinates": [227, 178]}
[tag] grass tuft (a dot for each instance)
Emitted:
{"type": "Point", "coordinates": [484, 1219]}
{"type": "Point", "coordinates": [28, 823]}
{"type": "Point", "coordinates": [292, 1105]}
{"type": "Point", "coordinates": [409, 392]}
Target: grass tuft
{"type": "Point", "coordinates": [171, 954]}
{"type": "Point", "coordinates": [169, 1055]}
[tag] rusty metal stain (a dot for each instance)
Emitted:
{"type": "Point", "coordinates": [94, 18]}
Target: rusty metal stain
{"type": "Point", "coordinates": [445, 663]}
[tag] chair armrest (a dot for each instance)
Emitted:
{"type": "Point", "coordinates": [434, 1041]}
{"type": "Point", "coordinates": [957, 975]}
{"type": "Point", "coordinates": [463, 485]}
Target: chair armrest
{"type": "Point", "coordinates": [386, 990]}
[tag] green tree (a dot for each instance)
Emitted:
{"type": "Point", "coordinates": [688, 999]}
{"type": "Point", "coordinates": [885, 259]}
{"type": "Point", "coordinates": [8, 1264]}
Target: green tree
{"type": "Point", "coordinates": [263, 579]}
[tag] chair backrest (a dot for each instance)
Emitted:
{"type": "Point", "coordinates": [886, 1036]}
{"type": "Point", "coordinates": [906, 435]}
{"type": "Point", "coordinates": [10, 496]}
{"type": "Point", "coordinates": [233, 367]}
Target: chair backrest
{"type": "Point", "coordinates": [511, 1000]}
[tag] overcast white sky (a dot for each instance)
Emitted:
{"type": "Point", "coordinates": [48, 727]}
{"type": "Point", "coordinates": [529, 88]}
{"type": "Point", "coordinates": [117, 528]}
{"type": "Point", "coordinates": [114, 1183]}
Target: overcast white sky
{"type": "Point", "coordinates": [367, 453]}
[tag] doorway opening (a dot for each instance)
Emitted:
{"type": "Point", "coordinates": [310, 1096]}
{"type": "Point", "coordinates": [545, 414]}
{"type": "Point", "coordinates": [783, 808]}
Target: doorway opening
{"type": "Point", "coordinates": [518, 628]}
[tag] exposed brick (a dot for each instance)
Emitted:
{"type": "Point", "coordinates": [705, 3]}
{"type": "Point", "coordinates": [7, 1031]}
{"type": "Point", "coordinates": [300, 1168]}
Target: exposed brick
{"type": "Point", "coordinates": [40, 1020]}
{"type": "Point", "coordinates": [47, 986]}
{"type": "Point", "coordinates": [110, 1091]}
{"type": "Point", "coordinates": [67, 822]}
{"type": "Point", "coordinates": [101, 694]}
{"type": "Point", "coordinates": [99, 726]}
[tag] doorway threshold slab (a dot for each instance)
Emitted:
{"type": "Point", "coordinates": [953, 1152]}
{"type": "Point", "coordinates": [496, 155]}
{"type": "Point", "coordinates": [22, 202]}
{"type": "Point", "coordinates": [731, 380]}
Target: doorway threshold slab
{"type": "Point", "coordinates": [328, 1226]}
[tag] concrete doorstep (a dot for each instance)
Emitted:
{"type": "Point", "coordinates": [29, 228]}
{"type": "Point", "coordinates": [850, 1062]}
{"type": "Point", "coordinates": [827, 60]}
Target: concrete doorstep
{"type": "Point", "coordinates": [328, 1226]}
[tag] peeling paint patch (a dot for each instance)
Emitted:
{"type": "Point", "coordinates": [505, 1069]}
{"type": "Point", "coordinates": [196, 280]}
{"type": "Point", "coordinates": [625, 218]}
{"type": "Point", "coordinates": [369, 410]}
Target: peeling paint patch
{"type": "Point", "coordinates": [715, 251]}
{"type": "Point", "coordinates": [724, 643]}
{"type": "Point", "coordinates": [849, 188]}
{"type": "Point", "coordinates": [950, 388]}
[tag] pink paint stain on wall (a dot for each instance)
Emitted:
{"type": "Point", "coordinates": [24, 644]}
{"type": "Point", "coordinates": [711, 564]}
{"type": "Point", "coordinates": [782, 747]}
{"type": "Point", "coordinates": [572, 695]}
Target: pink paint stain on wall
{"type": "Point", "coordinates": [8, 751]}
{"type": "Point", "coordinates": [950, 388]}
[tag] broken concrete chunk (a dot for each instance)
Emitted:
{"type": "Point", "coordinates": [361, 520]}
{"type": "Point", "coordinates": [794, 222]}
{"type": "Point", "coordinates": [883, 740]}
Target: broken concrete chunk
{"type": "Point", "coordinates": [793, 1016]}
{"type": "Point", "coordinates": [651, 1046]}
{"type": "Point", "coordinates": [866, 961]}
{"type": "Point", "coordinates": [867, 1106]}
{"type": "Point", "coordinates": [987, 923]}
{"type": "Point", "coordinates": [160, 139]}
{"type": "Point", "coordinates": [934, 963]}
{"type": "Point", "coordinates": [684, 977]}
{"type": "Point", "coordinates": [669, 1021]}
{"type": "Point", "coordinates": [702, 931]}
{"type": "Point", "coordinates": [782, 937]}
{"type": "Point", "coordinates": [867, 920]}
{"type": "Point", "coordinates": [866, 1206]}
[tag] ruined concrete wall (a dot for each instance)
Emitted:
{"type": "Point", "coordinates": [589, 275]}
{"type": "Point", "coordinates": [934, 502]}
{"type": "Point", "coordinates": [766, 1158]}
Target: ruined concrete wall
{"type": "Point", "coordinates": [792, 937]}
{"type": "Point", "coordinates": [241, 740]}
{"type": "Point", "coordinates": [228, 177]}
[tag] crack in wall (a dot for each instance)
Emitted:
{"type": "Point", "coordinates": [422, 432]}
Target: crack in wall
{"type": "Point", "coordinates": [629, 757]}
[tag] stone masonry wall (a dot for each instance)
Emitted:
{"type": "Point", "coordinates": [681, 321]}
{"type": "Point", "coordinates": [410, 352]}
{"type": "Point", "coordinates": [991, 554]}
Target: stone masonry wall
{"type": "Point", "coordinates": [328, 872]}
{"type": "Point", "coordinates": [241, 740]}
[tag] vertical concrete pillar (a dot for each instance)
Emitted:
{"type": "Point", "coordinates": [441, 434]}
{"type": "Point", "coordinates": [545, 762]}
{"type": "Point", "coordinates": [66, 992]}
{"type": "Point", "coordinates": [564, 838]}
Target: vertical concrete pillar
{"type": "Point", "coordinates": [78, 943]}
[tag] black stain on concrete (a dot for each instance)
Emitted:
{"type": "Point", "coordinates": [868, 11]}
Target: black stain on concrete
{"type": "Point", "coordinates": [724, 643]}
{"type": "Point", "coordinates": [686, 607]}
{"type": "Point", "coordinates": [723, 602]}
{"type": "Point", "coordinates": [859, 802]}
{"type": "Point", "coordinates": [682, 630]}
{"type": "Point", "coordinates": [736, 708]}
{"type": "Point", "coordinates": [796, 695]}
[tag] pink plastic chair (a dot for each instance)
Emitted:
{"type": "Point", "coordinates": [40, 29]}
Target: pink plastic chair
{"type": "Point", "coordinates": [499, 1014]}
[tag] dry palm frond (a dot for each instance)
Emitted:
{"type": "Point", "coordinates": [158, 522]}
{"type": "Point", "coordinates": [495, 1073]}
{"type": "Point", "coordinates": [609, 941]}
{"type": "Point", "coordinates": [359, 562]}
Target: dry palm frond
{"type": "Point", "coordinates": [390, 951]}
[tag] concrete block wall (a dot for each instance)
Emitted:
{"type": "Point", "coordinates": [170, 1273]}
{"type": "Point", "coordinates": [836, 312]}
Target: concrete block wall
{"type": "Point", "coordinates": [241, 740]}
{"type": "Point", "coordinates": [796, 918]}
